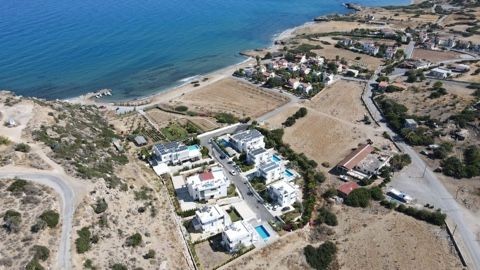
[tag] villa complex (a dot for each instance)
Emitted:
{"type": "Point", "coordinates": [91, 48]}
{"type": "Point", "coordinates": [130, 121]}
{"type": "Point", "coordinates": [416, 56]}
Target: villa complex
{"type": "Point", "coordinates": [239, 234]}
{"type": "Point", "coordinates": [211, 219]}
{"type": "Point", "coordinates": [176, 152]}
{"type": "Point", "coordinates": [208, 185]}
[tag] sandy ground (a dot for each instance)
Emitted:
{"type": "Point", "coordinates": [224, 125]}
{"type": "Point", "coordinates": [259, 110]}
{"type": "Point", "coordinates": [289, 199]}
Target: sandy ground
{"type": "Point", "coordinates": [331, 128]}
{"type": "Point", "coordinates": [162, 118]}
{"type": "Point", "coordinates": [232, 96]}
{"type": "Point", "coordinates": [17, 253]}
{"type": "Point", "coordinates": [159, 232]}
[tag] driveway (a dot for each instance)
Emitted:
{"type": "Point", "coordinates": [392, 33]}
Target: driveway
{"type": "Point", "coordinates": [68, 207]}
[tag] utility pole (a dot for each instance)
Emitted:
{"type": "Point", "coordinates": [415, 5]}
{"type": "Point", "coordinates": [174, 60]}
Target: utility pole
{"type": "Point", "coordinates": [424, 171]}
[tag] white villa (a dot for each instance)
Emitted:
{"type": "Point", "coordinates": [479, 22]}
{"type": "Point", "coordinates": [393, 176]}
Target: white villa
{"type": "Point", "coordinates": [211, 219]}
{"type": "Point", "coordinates": [258, 156]}
{"type": "Point", "coordinates": [271, 171]}
{"type": "Point", "coordinates": [208, 185]}
{"type": "Point", "coordinates": [283, 193]}
{"type": "Point", "coordinates": [239, 234]}
{"type": "Point", "coordinates": [176, 152]}
{"type": "Point", "coordinates": [247, 140]}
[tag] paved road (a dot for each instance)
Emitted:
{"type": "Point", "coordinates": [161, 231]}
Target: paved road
{"type": "Point", "coordinates": [68, 198]}
{"type": "Point", "coordinates": [240, 182]}
{"type": "Point", "coordinates": [409, 49]}
{"type": "Point", "coordinates": [432, 185]}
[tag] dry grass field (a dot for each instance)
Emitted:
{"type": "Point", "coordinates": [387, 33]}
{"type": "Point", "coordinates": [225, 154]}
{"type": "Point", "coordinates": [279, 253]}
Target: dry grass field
{"type": "Point", "coordinates": [372, 238]}
{"type": "Point", "coordinates": [16, 248]}
{"type": "Point", "coordinates": [418, 102]}
{"type": "Point", "coordinates": [332, 126]}
{"type": "Point", "coordinates": [367, 61]}
{"type": "Point", "coordinates": [232, 96]}
{"type": "Point", "coordinates": [435, 56]}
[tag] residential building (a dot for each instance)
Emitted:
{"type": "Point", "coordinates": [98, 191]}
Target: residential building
{"type": "Point", "coordinates": [239, 234]}
{"type": "Point", "coordinates": [382, 85]}
{"type": "Point", "coordinates": [354, 72]}
{"type": "Point", "coordinates": [390, 52]}
{"type": "Point", "coordinates": [370, 48]}
{"type": "Point", "coordinates": [411, 124]}
{"type": "Point", "coordinates": [350, 161]}
{"type": "Point", "coordinates": [283, 193]}
{"type": "Point", "coordinates": [328, 78]}
{"type": "Point", "coordinates": [305, 87]}
{"type": "Point", "coordinates": [460, 68]}
{"type": "Point", "coordinates": [294, 83]}
{"type": "Point", "coordinates": [439, 73]}
{"type": "Point", "coordinates": [346, 188]}
{"type": "Point", "coordinates": [247, 140]}
{"type": "Point", "coordinates": [176, 152]}
{"type": "Point", "coordinates": [211, 219]}
{"type": "Point", "coordinates": [372, 164]}
{"type": "Point", "coordinates": [271, 171]}
{"type": "Point", "coordinates": [258, 156]}
{"type": "Point", "coordinates": [208, 185]}
{"type": "Point", "coordinates": [140, 140]}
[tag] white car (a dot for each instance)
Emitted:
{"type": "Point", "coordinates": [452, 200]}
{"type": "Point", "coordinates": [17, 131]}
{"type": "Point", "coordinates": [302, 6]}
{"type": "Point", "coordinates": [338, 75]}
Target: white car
{"type": "Point", "coordinates": [343, 177]}
{"type": "Point", "coordinates": [233, 172]}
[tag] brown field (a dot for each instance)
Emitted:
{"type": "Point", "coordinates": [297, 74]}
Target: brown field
{"type": "Point", "coordinates": [417, 100]}
{"type": "Point", "coordinates": [162, 118]}
{"type": "Point", "coordinates": [435, 56]}
{"type": "Point", "coordinates": [372, 238]}
{"type": "Point", "coordinates": [232, 96]}
{"type": "Point", "coordinates": [331, 128]}
{"type": "Point", "coordinates": [330, 52]}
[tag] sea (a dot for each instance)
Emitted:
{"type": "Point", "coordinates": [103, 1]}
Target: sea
{"type": "Point", "coordinates": [58, 49]}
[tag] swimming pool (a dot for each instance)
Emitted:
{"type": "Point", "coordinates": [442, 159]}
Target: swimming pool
{"type": "Point", "coordinates": [276, 158]}
{"type": "Point", "coordinates": [262, 232]}
{"type": "Point", "coordinates": [288, 173]}
{"type": "Point", "coordinates": [193, 147]}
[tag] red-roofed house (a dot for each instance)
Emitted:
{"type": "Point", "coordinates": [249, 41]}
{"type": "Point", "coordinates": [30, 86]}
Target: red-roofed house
{"type": "Point", "coordinates": [206, 176]}
{"type": "Point", "coordinates": [208, 185]}
{"type": "Point", "coordinates": [346, 188]}
{"type": "Point", "coordinates": [349, 162]}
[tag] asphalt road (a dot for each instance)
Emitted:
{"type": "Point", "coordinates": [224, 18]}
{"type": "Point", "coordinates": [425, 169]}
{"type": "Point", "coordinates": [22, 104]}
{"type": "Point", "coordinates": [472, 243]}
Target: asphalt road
{"type": "Point", "coordinates": [409, 49]}
{"type": "Point", "coordinates": [68, 197]}
{"type": "Point", "coordinates": [431, 186]}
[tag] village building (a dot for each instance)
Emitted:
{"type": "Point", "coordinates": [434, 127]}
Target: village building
{"type": "Point", "coordinates": [176, 152]}
{"type": "Point", "coordinates": [345, 189]}
{"type": "Point", "coordinates": [247, 140]}
{"type": "Point", "coordinates": [353, 72]}
{"type": "Point", "coordinates": [140, 140]}
{"type": "Point", "coordinates": [283, 193]}
{"type": "Point", "coordinates": [211, 219]}
{"type": "Point", "coordinates": [370, 48]}
{"type": "Point", "coordinates": [411, 124]}
{"type": "Point", "coordinates": [350, 161]}
{"type": "Point", "coordinates": [208, 185]}
{"type": "Point", "coordinates": [271, 171]}
{"type": "Point", "coordinates": [439, 73]}
{"type": "Point", "coordinates": [461, 68]}
{"type": "Point", "coordinates": [258, 156]}
{"type": "Point", "coordinates": [237, 235]}
{"type": "Point", "coordinates": [294, 83]}
{"type": "Point", "coordinates": [372, 164]}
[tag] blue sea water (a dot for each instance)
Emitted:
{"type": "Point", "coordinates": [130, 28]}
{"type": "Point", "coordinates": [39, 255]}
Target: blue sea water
{"type": "Point", "coordinates": [64, 48]}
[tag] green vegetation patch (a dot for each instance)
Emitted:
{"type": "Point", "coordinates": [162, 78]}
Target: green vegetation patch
{"type": "Point", "coordinates": [50, 217]}
{"type": "Point", "coordinates": [320, 258]}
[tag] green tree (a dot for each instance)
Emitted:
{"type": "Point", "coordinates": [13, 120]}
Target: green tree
{"type": "Point", "coordinates": [50, 217]}
{"type": "Point", "coordinates": [134, 240]}
{"type": "Point", "coordinates": [320, 258]}
{"type": "Point", "coordinates": [359, 197]}
{"type": "Point", "coordinates": [399, 161]}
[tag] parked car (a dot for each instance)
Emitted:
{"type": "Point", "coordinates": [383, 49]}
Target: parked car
{"type": "Point", "coordinates": [222, 156]}
{"type": "Point", "coordinates": [233, 172]}
{"type": "Point", "coordinates": [343, 177]}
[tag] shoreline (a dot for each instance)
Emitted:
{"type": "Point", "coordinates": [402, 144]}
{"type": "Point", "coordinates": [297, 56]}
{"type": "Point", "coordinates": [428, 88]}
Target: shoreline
{"type": "Point", "coordinates": [185, 85]}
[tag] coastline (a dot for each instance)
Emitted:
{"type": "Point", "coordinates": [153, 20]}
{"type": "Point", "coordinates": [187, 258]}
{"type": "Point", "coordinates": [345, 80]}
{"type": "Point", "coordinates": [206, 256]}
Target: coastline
{"type": "Point", "coordinates": [186, 85]}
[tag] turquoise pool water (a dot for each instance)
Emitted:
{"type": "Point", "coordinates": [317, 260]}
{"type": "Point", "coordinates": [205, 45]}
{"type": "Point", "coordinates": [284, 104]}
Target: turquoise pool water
{"type": "Point", "coordinates": [276, 158]}
{"type": "Point", "coordinates": [288, 173]}
{"type": "Point", "coordinates": [262, 232]}
{"type": "Point", "coordinates": [193, 147]}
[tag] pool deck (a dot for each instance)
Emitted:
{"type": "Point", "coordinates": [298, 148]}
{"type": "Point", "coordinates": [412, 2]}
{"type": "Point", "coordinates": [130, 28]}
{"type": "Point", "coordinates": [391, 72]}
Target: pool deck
{"type": "Point", "coordinates": [264, 242]}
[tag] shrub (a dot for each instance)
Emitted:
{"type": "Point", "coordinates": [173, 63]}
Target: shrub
{"type": "Point", "coordinates": [101, 206]}
{"type": "Point", "coordinates": [17, 186]}
{"type": "Point", "coordinates": [359, 197]}
{"type": "Point", "coordinates": [83, 241]}
{"type": "Point", "coordinates": [34, 265]}
{"type": "Point", "coordinates": [432, 217]}
{"type": "Point", "coordinates": [22, 147]}
{"type": "Point", "coordinates": [320, 258]}
{"type": "Point", "coordinates": [376, 193]}
{"type": "Point", "coordinates": [399, 161]}
{"type": "Point", "coordinates": [50, 217]}
{"type": "Point", "coordinates": [226, 118]}
{"type": "Point", "coordinates": [38, 226]}
{"type": "Point", "coordinates": [4, 140]}
{"type": "Point", "coordinates": [134, 240]}
{"type": "Point", "coordinates": [327, 217]}
{"type": "Point", "coordinates": [12, 220]}
{"type": "Point", "coordinates": [118, 266]}
{"type": "Point", "coordinates": [181, 108]}
{"type": "Point", "coordinates": [150, 254]}
{"type": "Point", "coordinates": [40, 252]}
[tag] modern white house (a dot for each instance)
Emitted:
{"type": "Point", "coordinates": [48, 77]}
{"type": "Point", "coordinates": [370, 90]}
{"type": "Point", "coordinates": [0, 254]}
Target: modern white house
{"type": "Point", "coordinates": [239, 234]}
{"type": "Point", "coordinates": [176, 152]}
{"type": "Point", "coordinates": [439, 73]}
{"type": "Point", "coordinates": [247, 140]}
{"type": "Point", "coordinates": [208, 185]}
{"type": "Point", "coordinates": [211, 219]}
{"type": "Point", "coordinates": [271, 171]}
{"type": "Point", "coordinates": [283, 193]}
{"type": "Point", "coordinates": [258, 156]}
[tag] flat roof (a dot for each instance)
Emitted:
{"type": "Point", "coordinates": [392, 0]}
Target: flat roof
{"type": "Point", "coordinates": [348, 187]}
{"type": "Point", "coordinates": [247, 135]}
